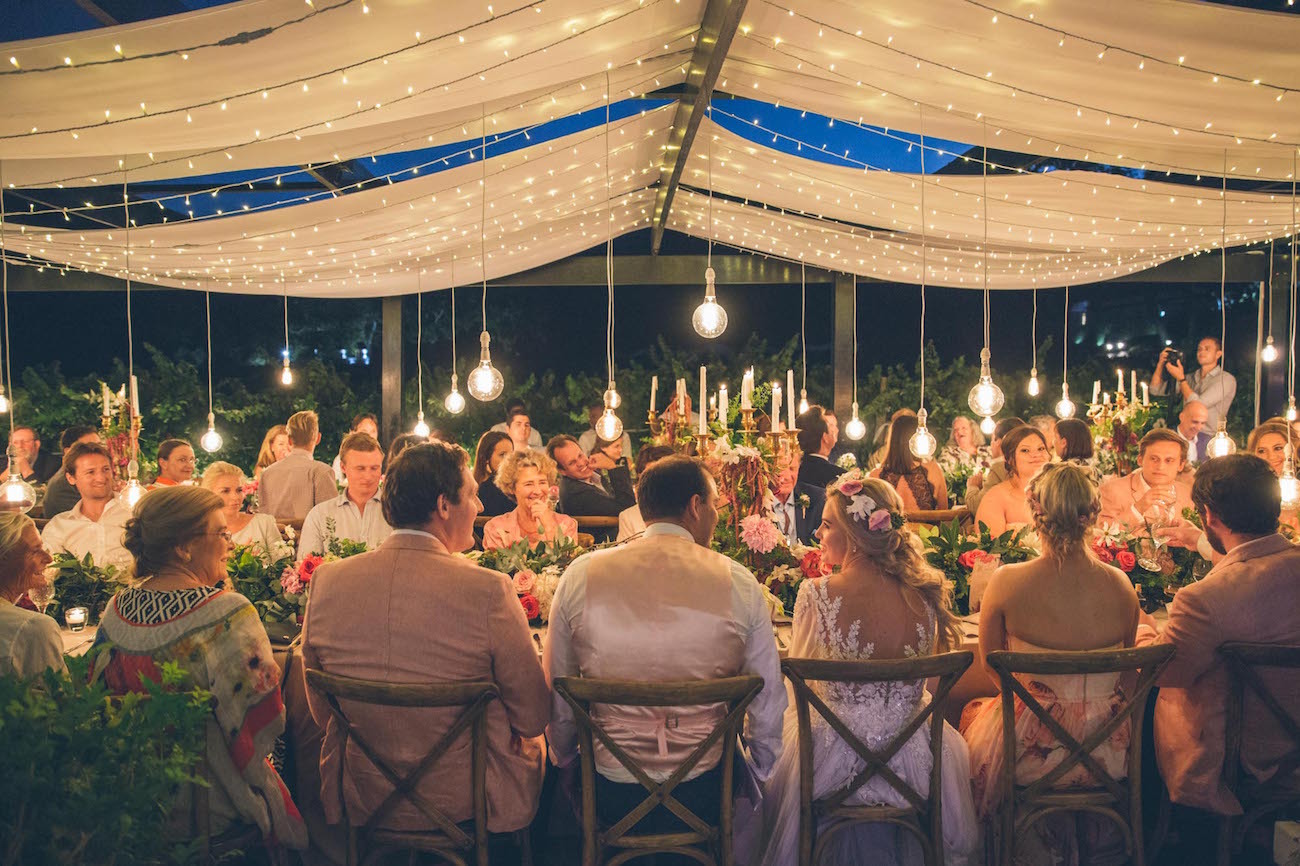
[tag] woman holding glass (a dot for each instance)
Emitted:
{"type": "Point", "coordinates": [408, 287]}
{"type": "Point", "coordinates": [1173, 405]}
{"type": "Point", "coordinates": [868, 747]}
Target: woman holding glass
{"type": "Point", "coordinates": [29, 640]}
{"type": "Point", "coordinates": [529, 475]}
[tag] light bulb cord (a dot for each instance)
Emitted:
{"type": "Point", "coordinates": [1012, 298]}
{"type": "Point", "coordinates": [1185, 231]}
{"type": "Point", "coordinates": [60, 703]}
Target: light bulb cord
{"type": "Point", "coordinates": [1223, 266]}
{"type": "Point", "coordinates": [482, 221]}
{"type": "Point", "coordinates": [1268, 290]}
{"type": "Point", "coordinates": [803, 321]}
{"type": "Point", "coordinates": [130, 335]}
{"type": "Point", "coordinates": [710, 190]}
{"type": "Point", "coordinates": [855, 339]}
{"type": "Point", "coordinates": [924, 263]}
{"type": "Point", "coordinates": [207, 309]}
{"type": "Point", "coordinates": [4, 281]}
{"type": "Point", "coordinates": [609, 250]}
{"type": "Point", "coordinates": [1290, 372]}
{"type": "Point", "coordinates": [453, 317]}
{"type": "Point", "coordinates": [1033, 335]}
{"type": "Point", "coordinates": [1065, 338]}
{"type": "Point", "coordinates": [419, 337]}
{"type": "Point", "coordinates": [984, 168]}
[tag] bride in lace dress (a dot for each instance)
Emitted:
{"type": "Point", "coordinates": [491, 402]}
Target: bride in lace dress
{"type": "Point", "coordinates": [886, 602]}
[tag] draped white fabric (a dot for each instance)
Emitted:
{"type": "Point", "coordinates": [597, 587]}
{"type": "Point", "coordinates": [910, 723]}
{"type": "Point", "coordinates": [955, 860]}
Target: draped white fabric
{"type": "Point", "coordinates": [267, 85]}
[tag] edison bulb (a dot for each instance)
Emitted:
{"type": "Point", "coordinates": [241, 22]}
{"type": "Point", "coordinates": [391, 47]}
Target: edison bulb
{"type": "Point", "coordinates": [1291, 413]}
{"type": "Point", "coordinates": [454, 402]}
{"type": "Point", "coordinates": [132, 492]}
{"type": "Point", "coordinates": [485, 382]}
{"type": "Point", "coordinates": [608, 427]}
{"type": "Point", "coordinates": [1065, 408]}
{"type": "Point", "coordinates": [1033, 382]}
{"type": "Point", "coordinates": [709, 319]}
{"type": "Point", "coordinates": [986, 398]}
{"type": "Point", "coordinates": [1221, 444]}
{"type": "Point", "coordinates": [1290, 488]}
{"type": "Point", "coordinates": [211, 440]}
{"type": "Point", "coordinates": [988, 425]}
{"type": "Point", "coordinates": [4, 401]}
{"type": "Point", "coordinates": [803, 401]}
{"type": "Point", "coordinates": [855, 429]}
{"type": "Point", "coordinates": [420, 429]}
{"type": "Point", "coordinates": [612, 400]}
{"type": "Point", "coordinates": [922, 444]}
{"type": "Point", "coordinates": [1269, 353]}
{"type": "Point", "coordinates": [17, 495]}
{"type": "Point", "coordinates": [286, 375]}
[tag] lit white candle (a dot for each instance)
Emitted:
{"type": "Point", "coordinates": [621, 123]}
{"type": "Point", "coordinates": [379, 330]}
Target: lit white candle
{"type": "Point", "coordinates": [76, 618]}
{"type": "Point", "coordinates": [135, 396]}
{"type": "Point", "coordinates": [722, 405]}
{"type": "Point", "coordinates": [654, 391]}
{"type": "Point", "coordinates": [1119, 383]}
{"type": "Point", "coordinates": [1146, 394]}
{"type": "Point", "coordinates": [107, 411]}
{"type": "Point", "coordinates": [1132, 384]}
{"type": "Point", "coordinates": [1096, 391]}
{"type": "Point", "coordinates": [681, 398]}
{"type": "Point", "coordinates": [776, 407]}
{"type": "Point", "coordinates": [1105, 399]}
{"type": "Point", "coordinates": [789, 399]}
{"type": "Point", "coordinates": [747, 389]}
{"type": "Point", "coordinates": [704, 401]}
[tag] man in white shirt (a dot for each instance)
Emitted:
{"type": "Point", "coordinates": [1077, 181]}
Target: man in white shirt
{"type": "Point", "coordinates": [356, 514]}
{"type": "Point", "coordinates": [1131, 500]}
{"type": "Point", "coordinates": [704, 618]}
{"type": "Point", "coordinates": [363, 423]}
{"type": "Point", "coordinates": [1209, 383]}
{"type": "Point", "coordinates": [785, 505]}
{"type": "Point", "coordinates": [517, 405]}
{"type": "Point", "coordinates": [1191, 426]}
{"type": "Point", "coordinates": [95, 524]}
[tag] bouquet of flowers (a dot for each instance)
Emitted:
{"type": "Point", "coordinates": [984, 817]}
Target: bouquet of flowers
{"type": "Point", "coordinates": [534, 569]}
{"type": "Point", "coordinates": [956, 554]}
{"type": "Point", "coordinates": [1117, 429]}
{"type": "Point", "coordinates": [249, 491]}
{"type": "Point", "coordinates": [1155, 568]}
{"type": "Point", "coordinates": [258, 576]}
{"type": "Point", "coordinates": [81, 583]}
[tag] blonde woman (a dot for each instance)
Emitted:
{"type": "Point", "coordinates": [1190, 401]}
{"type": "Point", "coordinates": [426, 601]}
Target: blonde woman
{"type": "Point", "coordinates": [260, 530]}
{"type": "Point", "coordinates": [29, 641]}
{"type": "Point", "coordinates": [1066, 599]}
{"type": "Point", "coordinates": [528, 476]}
{"type": "Point", "coordinates": [275, 445]}
{"type": "Point", "coordinates": [885, 602]}
{"type": "Point", "coordinates": [175, 614]}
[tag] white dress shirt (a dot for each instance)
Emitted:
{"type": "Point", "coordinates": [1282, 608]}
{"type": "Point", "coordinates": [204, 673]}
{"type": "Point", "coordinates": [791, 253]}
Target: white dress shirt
{"type": "Point", "coordinates": [534, 438]}
{"type": "Point", "coordinates": [587, 442]}
{"type": "Point", "coordinates": [75, 533]}
{"type": "Point", "coordinates": [349, 522]}
{"type": "Point", "coordinates": [783, 512]}
{"type": "Point", "coordinates": [630, 524]}
{"type": "Point", "coordinates": [753, 622]}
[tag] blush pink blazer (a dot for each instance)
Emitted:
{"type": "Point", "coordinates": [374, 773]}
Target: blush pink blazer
{"type": "Point", "coordinates": [410, 612]}
{"type": "Point", "coordinates": [1118, 495]}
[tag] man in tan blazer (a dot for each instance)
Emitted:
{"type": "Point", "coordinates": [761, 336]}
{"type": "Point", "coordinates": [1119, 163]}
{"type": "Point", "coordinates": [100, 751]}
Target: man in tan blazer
{"type": "Point", "coordinates": [1252, 594]}
{"type": "Point", "coordinates": [1162, 455]}
{"type": "Point", "coordinates": [414, 612]}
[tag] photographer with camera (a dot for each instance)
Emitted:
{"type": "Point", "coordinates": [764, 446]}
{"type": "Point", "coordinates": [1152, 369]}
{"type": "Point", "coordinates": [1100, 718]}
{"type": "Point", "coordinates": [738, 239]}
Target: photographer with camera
{"type": "Point", "coordinates": [1209, 384]}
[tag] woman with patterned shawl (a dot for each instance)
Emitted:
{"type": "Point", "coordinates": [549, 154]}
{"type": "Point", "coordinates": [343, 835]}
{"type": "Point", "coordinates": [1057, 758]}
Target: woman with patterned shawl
{"type": "Point", "coordinates": [175, 612]}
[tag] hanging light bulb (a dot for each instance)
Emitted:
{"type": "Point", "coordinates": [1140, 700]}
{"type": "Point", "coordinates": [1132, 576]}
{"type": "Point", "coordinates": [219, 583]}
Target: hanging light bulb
{"type": "Point", "coordinates": [855, 429]}
{"type": "Point", "coordinates": [1033, 382]}
{"type": "Point", "coordinates": [986, 398]}
{"type": "Point", "coordinates": [612, 400]}
{"type": "Point", "coordinates": [454, 402]}
{"type": "Point", "coordinates": [286, 375]}
{"type": "Point", "coordinates": [709, 318]}
{"type": "Point", "coordinates": [1291, 413]}
{"type": "Point", "coordinates": [1221, 444]}
{"type": "Point", "coordinates": [988, 425]}
{"type": "Point", "coordinates": [420, 429]}
{"type": "Point", "coordinates": [1065, 408]}
{"type": "Point", "coordinates": [803, 401]}
{"type": "Point", "coordinates": [1269, 353]}
{"type": "Point", "coordinates": [132, 492]}
{"type": "Point", "coordinates": [211, 440]}
{"type": "Point", "coordinates": [923, 444]}
{"type": "Point", "coordinates": [1288, 483]}
{"type": "Point", "coordinates": [17, 494]}
{"type": "Point", "coordinates": [485, 382]}
{"type": "Point", "coordinates": [4, 401]}
{"type": "Point", "coordinates": [608, 426]}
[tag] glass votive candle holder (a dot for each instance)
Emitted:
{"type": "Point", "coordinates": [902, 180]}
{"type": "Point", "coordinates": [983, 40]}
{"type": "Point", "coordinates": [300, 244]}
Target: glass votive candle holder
{"type": "Point", "coordinates": [76, 618]}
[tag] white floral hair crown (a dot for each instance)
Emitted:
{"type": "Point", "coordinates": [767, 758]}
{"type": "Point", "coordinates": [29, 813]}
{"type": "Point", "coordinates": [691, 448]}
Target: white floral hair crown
{"type": "Point", "coordinates": [863, 507]}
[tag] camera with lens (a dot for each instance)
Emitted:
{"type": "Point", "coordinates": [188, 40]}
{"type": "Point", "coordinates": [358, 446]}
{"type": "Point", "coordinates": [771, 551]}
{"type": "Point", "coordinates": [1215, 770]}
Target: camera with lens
{"type": "Point", "coordinates": [1173, 356]}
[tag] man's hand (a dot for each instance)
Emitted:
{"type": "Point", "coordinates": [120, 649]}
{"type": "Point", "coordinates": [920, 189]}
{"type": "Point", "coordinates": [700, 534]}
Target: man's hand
{"type": "Point", "coordinates": [1180, 534]}
{"type": "Point", "coordinates": [1176, 370]}
{"type": "Point", "coordinates": [975, 482]}
{"type": "Point", "coordinates": [600, 460]}
{"type": "Point", "coordinates": [1155, 496]}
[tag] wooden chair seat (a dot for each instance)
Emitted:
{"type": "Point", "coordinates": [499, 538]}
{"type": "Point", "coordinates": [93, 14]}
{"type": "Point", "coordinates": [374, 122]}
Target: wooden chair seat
{"type": "Point", "coordinates": [704, 842]}
{"type": "Point", "coordinates": [820, 819]}
{"type": "Point", "coordinates": [1117, 799]}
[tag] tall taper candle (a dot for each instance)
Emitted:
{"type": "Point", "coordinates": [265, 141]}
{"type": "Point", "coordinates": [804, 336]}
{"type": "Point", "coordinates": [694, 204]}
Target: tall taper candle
{"type": "Point", "coordinates": [681, 398]}
{"type": "Point", "coordinates": [1096, 391]}
{"type": "Point", "coordinates": [776, 407]}
{"type": "Point", "coordinates": [654, 391]}
{"type": "Point", "coordinates": [1133, 384]}
{"type": "Point", "coordinates": [704, 402]}
{"type": "Point", "coordinates": [1119, 384]}
{"type": "Point", "coordinates": [789, 399]}
{"type": "Point", "coordinates": [722, 405]}
{"type": "Point", "coordinates": [106, 403]}
{"type": "Point", "coordinates": [1146, 394]}
{"type": "Point", "coordinates": [135, 396]}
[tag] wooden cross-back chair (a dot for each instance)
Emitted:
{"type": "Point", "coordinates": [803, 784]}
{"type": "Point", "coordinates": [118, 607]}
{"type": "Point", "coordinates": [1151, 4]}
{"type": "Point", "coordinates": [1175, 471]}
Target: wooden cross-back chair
{"type": "Point", "coordinates": [447, 839]}
{"type": "Point", "coordinates": [922, 817]}
{"type": "Point", "coordinates": [1243, 661]}
{"type": "Point", "coordinates": [1119, 800]}
{"type": "Point", "coordinates": [702, 841]}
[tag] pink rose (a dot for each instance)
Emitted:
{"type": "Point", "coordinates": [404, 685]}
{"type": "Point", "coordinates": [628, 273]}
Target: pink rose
{"type": "Point", "coordinates": [851, 488]}
{"type": "Point", "coordinates": [525, 580]}
{"type": "Point", "coordinates": [812, 565]}
{"type": "Point", "coordinates": [532, 607]}
{"type": "Point", "coordinates": [307, 569]}
{"type": "Point", "coordinates": [971, 557]}
{"type": "Point", "coordinates": [880, 520]}
{"type": "Point", "coordinates": [1104, 554]}
{"type": "Point", "coordinates": [1125, 560]}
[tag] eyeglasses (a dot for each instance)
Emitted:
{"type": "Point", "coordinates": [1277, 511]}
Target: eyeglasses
{"type": "Point", "coordinates": [224, 534]}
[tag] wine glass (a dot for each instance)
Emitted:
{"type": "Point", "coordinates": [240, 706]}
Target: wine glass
{"type": "Point", "coordinates": [42, 594]}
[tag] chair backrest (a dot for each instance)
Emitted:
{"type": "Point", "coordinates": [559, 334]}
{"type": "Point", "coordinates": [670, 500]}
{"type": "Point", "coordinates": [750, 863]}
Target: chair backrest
{"type": "Point", "coordinates": [474, 697]}
{"type": "Point", "coordinates": [736, 693]}
{"type": "Point", "coordinates": [1243, 661]}
{"type": "Point", "coordinates": [1146, 662]}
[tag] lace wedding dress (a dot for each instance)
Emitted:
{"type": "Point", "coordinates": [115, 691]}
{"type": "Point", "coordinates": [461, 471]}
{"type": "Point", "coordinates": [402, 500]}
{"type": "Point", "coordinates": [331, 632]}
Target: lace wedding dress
{"type": "Point", "coordinates": [875, 713]}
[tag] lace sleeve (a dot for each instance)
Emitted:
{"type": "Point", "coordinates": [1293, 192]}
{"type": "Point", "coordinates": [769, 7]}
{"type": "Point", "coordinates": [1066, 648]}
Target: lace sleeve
{"type": "Point", "coordinates": [807, 616]}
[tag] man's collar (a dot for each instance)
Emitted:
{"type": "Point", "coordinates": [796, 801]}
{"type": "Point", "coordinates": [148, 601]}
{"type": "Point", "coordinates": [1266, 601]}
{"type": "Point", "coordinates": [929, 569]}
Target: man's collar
{"type": "Point", "coordinates": [344, 499]}
{"type": "Point", "coordinates": [1265, 545]}
{"type": "Point", "coordinates": [665, 528]}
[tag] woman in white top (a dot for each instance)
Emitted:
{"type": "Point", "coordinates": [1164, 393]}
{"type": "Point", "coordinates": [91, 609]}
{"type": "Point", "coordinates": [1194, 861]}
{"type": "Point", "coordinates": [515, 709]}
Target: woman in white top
{"type": "Point", "coordinates": [260, 530]}
{"type": "Point", "coordinates": [29, 641]}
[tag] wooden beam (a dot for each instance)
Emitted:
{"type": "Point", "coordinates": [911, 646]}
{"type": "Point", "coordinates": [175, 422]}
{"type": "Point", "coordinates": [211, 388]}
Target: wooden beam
{"type": "Point", "coordinates": [390, 378]}
{"type": "Point", "coordinates": [842, 367]}
{"type": "Point", "coordinates": [721, 20]}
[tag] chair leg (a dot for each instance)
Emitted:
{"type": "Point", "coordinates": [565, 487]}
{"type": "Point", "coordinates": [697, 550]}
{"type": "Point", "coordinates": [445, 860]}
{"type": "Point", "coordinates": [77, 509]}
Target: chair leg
{"type": "Point", "coordinates": [524, 842]}
{"type": "Point", "coordinates": [1224, 854]}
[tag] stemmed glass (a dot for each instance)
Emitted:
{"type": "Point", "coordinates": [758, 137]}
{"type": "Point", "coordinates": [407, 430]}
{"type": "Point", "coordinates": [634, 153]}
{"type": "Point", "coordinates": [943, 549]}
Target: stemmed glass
{"type": "Point", "coordinates": [42, 594]}
{"type": "Point", "coordinates": [1157, 516]}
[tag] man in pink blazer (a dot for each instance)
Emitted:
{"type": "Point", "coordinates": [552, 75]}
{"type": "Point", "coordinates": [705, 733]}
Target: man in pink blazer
{"type": "Point", "coordinates": [414, 612]}
{"type": "Point", "coordinates": [1251, 594]}
{"type": "Point", "coordinates": [1162, 455]}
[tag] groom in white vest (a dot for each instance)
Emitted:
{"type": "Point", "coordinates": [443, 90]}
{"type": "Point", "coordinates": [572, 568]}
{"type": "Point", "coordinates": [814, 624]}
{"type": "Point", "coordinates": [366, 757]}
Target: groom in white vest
{"type": "Point", "coordinates": [664, 607]}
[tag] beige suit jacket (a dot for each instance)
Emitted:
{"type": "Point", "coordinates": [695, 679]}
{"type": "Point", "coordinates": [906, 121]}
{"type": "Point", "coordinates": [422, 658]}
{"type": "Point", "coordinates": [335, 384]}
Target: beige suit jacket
{"type": "Point", "coordinates": [410, 612]}
{"type": "Point", "coordinates": [1118, 495]}
{"type": "Point", "coordinates": [1252, 594]}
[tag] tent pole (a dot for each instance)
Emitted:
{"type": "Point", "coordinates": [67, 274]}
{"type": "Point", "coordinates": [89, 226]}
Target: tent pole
{"type": "Point", "coordinates": [391, 371]}
{"type": "Point", "coordinates": [843, 367]}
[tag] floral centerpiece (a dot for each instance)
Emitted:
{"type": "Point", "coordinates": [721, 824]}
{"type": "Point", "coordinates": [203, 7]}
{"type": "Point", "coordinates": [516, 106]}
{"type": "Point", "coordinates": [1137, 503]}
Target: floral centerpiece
{"type": "Point", "coordinates": [81, 583]}
{"type": "Point", "coordinates": [957, 554]}
{"type": "Point", "coordinates": [1116, 429]}
{"type": "Point", "coordinates": [259, 576]}
{"type": "Point", "coordinates": [534, 569]}
{"type": "Point", "coordinates": [1155, 568]}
